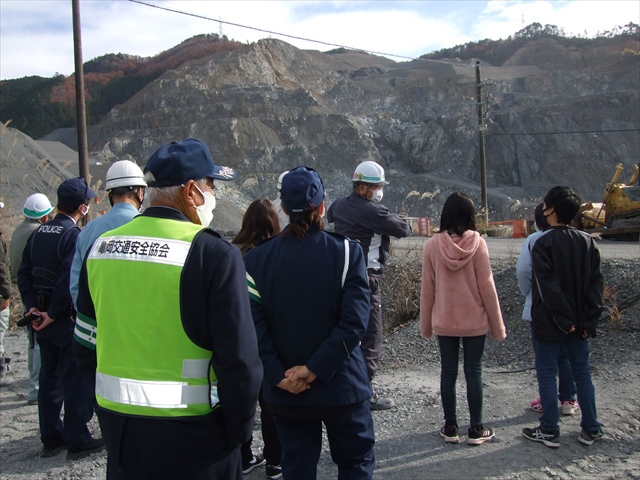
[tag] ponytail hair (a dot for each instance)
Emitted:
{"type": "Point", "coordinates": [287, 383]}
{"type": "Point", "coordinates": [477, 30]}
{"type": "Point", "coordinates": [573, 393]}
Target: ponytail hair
{"type": "Point", "coordinates": [301, 223]}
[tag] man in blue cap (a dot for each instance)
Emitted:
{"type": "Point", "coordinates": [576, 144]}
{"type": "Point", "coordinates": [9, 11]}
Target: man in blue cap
{"type": "Point", "coordinates": [310, 304]}
{"type": "Point", "coordinates": [43, 280]}
{"type": "Point", "coordinates": [174, 361]}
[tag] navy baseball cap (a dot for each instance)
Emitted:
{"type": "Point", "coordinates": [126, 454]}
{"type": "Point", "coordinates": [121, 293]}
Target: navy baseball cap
{"type": "Point", "coordinates": [302, 188]}
{"type": "Point", "coordinates": [176, 163]}
{"type": "Point", "coordinates": [73, 192]}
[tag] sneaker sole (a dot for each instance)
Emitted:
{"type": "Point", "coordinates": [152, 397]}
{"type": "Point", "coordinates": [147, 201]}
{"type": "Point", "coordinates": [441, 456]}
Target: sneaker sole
{"type": "Point", "coordinates": [253, 467]}
{"type": "Point", "coordinates": [450, 439]}
{"type": "Point", "coordinates": [479, 441]}
{"type": "Point", "coordinates": [546, 442]}
{"type": "Point", "coordinates": [588, 442]}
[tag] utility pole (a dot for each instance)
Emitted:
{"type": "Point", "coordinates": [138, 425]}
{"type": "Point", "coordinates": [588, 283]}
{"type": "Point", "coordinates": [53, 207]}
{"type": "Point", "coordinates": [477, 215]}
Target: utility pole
{"type": "Point", "coordinates": [482, 128]}
{"type": "Point", "coordinates": [81, 119]}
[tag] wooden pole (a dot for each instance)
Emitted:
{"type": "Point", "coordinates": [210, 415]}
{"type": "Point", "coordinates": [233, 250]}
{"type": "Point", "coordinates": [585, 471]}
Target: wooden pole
{"type": "Point", "coordinates": [482, 128]}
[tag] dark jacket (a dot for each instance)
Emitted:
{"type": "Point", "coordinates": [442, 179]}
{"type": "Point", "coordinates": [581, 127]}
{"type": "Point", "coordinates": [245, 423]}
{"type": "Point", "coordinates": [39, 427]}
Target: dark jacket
{"type": "Point", "coordinates": [45, 267]}
{"type": "Point", "coordinates": [369, 223]}
{"type": "Point", "coordinates": [304, 315]}
{"type": "Point", "coordinates": [567, 284]}
{"type": "Point", "coordinates": [215, 314]}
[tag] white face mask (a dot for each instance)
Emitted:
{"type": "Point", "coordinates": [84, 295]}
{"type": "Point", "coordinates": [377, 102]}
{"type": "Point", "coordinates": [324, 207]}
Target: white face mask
{"type": "Point", "coordinates": [84, 210]}
{"type": "Point", "coordinates": [377, 196]}
{"type": "Point", "coordinates": [205, 211]}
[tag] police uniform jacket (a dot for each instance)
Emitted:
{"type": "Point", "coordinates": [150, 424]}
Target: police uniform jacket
{"type": "Point", "coordinates": [310, 305]}
{"type": "Point", "coordinates": [45, 266]}
{"type": "Point", "coordinates": [215, 314]}
{"type": "Point", "coordinates": [370, 223]}
{"type": "Point", "coordinates": [567, 284]}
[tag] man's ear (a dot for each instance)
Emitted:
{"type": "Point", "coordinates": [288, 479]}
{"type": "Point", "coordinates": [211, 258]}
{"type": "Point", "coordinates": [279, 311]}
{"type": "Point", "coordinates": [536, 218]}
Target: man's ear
{"type": "Point", "coordinates": [189, 193]}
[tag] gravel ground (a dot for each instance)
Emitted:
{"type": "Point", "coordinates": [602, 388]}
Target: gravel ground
{"type": "Point", "coordinates": [408, 445]}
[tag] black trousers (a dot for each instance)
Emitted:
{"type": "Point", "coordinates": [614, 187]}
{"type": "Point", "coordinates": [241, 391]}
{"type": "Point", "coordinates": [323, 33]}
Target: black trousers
{"type": "Point", "coordinates": [61, 382]}
{"type": "Point", "coordinates": [272, 449]}
{"type": "Point", "coordinates": [188, 448]}
{"type": "Point", "coordinates": [351, 440]}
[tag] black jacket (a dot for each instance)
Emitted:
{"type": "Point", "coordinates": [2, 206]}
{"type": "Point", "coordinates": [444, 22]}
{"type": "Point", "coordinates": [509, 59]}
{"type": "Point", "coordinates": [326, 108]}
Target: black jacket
{"type": "Point", "coordinates": [45, 267]}
{"type": "Point", "coordinates": [567, 284]}
{"type": "Point", "coordinates": [369, 223]}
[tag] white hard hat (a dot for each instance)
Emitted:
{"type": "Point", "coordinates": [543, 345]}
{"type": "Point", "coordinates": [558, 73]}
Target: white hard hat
{"type": "Point", "coordinates": [280, 179]}
{"type": "Point", "coordinates": [124, 173]}
{"type": "Point", "coordinates": [369, 172]}
{"type": "Point", "coordinates": [37, 206]}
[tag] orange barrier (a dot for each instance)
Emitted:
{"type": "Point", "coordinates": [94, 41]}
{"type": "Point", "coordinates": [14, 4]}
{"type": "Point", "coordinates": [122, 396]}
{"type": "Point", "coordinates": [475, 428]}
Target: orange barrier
{"type": "Point", "coordinates": [519, 227]}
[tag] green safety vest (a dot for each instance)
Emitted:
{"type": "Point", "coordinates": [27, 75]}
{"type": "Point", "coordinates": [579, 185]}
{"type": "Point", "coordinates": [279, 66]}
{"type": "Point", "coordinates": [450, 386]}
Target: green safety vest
{"type": "Point", "coordinates": [147, 365]}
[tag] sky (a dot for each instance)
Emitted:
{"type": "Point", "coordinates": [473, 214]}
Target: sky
{"type": "Point", "coordinates": [36, 36]}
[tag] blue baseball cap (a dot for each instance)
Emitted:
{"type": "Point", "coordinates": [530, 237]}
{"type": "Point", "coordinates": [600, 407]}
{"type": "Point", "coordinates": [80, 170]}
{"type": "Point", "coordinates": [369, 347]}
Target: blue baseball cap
{"type": "Point", "coordinates": [73, 192]}
{"type": "Point", "coordinates": [302, 188]}
{"type": "Point", "coordinates": [176, 163]}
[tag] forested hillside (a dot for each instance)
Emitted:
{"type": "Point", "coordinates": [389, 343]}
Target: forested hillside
{"type": "Point", "coordinates": [37, 105]}
{"type": "Point", "coordinates": [496, 52]}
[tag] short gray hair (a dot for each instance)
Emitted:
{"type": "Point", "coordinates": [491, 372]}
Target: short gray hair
{"type": "Point", "coordinates": [164, 195]}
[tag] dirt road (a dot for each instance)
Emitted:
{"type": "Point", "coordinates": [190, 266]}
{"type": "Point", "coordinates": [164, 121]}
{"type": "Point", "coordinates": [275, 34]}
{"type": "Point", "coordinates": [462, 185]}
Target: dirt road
{"type": "Point", "coordinates": [408, 446]}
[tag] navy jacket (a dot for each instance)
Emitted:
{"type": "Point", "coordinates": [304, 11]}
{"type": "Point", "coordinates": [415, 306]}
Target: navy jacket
{"type": "Point", "coordinates": [567, 284]}
{"type": "Point", "coordinates": [45, 267]}
{"type": "Point", "coordinates": [369, 223]}
{"type": "Point", "coordinates": [304, 315]}
{"type": "Point", "coordinates": [215, 314]}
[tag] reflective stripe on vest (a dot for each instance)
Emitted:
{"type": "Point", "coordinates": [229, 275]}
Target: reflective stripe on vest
{"type": "Point", "coordinates": [155, 394]}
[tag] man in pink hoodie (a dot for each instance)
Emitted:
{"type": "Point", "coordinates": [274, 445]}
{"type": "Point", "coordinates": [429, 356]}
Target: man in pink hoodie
{"type": "Point", "coordinates": [459, 303]}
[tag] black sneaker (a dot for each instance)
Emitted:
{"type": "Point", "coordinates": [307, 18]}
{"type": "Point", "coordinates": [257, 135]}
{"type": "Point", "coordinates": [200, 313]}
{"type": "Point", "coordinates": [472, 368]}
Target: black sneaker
{"type": "Point", "coordinates": [52, 447]}
{"type": "Point", "coordinates": [450, 433]}
{"type": "Point", "coordinates": [478, 435]}
{"type": "Point", "coordinates": [381, 403]}
{"type": "Point", "coordinates": [537, 434]}
{"type": "Point", "coordinates": [252, 464]}
{"type": "Point", "coordinates": [94, 446]}
{"type": "Point", "coordinates": [274, 472]}
{"type": "Point", "coordinates": [588, 437]}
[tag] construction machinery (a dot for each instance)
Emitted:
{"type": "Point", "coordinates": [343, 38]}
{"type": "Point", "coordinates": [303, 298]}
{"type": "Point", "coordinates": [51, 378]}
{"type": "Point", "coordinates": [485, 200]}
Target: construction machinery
{"type": "Point", "coordinates": [618, 216]}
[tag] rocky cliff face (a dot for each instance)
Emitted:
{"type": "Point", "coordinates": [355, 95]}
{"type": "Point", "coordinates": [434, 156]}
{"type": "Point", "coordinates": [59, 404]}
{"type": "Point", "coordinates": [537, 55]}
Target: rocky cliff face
{"type": "Point", "coordinates": [269, 107]}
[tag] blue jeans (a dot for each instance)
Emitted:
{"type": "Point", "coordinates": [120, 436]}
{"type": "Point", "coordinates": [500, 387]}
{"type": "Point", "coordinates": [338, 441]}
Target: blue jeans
{"type": "Point", "coordinates": [473, 348]}
{"type": "Point", "coordinates": [566, 385]}
{"type": "Point", "coordinates": [547, 355]}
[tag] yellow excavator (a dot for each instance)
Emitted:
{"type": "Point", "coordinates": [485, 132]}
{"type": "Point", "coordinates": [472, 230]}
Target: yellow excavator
{"type": "Point", "coordinates": [618, 216]}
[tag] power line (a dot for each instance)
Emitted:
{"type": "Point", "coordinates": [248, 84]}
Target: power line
{"type": "Point", "coordinates": [516, 134]}
{"type": "Point", "coordinates": [270, 32]}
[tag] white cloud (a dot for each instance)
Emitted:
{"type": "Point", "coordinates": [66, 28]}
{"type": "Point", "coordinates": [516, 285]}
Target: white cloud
{"type": "Point", "coordinates": [36, 35]}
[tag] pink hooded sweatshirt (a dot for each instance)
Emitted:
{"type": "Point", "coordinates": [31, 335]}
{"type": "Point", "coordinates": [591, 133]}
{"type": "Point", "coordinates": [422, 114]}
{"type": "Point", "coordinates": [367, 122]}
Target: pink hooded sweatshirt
{"type": "Point", "coordinates": [458, 296]}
